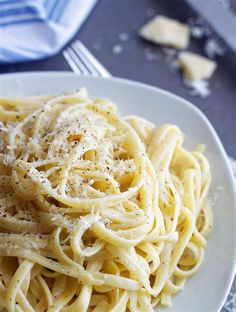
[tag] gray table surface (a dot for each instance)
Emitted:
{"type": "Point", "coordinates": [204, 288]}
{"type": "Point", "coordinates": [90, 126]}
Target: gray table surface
{"type": "Point", "coordinates": [101, 32]}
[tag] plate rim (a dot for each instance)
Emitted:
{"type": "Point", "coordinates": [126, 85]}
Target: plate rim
{"type": "Point", "coordinates": [183, 102]}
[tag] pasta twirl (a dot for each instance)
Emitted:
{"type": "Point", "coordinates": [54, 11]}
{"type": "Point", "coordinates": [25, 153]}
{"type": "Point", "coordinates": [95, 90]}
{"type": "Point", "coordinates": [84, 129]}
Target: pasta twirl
{"type": "Point", "coordinates": [97, 212]}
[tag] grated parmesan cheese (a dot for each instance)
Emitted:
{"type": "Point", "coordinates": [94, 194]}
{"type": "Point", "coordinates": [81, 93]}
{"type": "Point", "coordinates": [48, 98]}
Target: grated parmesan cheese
{"type": "Point", "coordinates": [212, 48]}
{"type": "Point", "coordinates": [117, 49]}
{"type": "Point", "coordinates": [123, 37]}
{"type": "Point", "coordinates": [150, 56]}
{"type": "Point", "coordinates": [198, 87]}
{"type": "Point", "coordinates": [197, 31]}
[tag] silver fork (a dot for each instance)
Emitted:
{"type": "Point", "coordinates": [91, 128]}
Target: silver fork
{"type": "Point", "coordinates": [81, 61]}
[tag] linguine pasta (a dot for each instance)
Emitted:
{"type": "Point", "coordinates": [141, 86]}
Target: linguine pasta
{"type": "Point", "coordinates": [97, 212]}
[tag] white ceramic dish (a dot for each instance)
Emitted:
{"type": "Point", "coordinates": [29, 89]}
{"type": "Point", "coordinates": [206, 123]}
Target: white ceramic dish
{"type": "Point", "coordinates": [207, 290]}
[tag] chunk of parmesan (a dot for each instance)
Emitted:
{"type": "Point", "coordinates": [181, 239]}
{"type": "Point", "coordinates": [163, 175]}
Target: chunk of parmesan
{"type": "Point", "coordinates": [166, 31]}
{"type": "Point", "coordinates": [196, 67]}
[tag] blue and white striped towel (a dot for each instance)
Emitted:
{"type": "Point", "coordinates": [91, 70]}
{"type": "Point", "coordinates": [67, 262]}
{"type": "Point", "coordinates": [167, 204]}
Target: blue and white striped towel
{"type": "Point", "coordinates": [35, 29]}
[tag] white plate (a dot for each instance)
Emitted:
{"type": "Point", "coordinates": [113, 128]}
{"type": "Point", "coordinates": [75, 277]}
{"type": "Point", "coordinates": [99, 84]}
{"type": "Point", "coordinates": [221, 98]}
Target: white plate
{"type": "Point", "coordinates": [207, 290]}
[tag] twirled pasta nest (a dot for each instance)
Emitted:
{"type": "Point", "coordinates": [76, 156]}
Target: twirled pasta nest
{"type": "Point", "coordinates": [97, 212]}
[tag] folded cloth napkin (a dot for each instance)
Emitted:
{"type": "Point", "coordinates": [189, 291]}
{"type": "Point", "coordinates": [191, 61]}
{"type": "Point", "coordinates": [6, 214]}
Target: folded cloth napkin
{"type": "Point", "coordinates": [35, 29]}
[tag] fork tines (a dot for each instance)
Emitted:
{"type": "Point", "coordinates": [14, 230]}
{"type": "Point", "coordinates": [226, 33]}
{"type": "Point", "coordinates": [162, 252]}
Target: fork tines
{"type": "Point", "coordinates": [81, 61]}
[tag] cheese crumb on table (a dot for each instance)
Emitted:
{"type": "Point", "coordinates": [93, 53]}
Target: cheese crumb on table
{"type": "Point", "coordinates": [123, 37]}
{"type": "Point", "coordinates": [166, 31]}
{"type": "Point", "coordinates": [198, 87]}
{"type": "Point", "coordinates": [213, 47]}
{"type": "Point", "coordinates": [117, 49]}
{"type": "Point", "coordinates": [197, 32]}
{"type": "Point", "coordinates": [196, 67]}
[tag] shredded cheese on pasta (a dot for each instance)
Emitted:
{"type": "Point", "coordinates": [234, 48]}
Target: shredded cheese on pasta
{"type": "Point", "coordinates": [97, 212]}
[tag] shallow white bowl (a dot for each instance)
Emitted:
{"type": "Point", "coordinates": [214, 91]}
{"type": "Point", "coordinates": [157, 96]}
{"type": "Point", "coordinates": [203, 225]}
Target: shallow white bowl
{"type": "Point", "coordinates": [207, 290]}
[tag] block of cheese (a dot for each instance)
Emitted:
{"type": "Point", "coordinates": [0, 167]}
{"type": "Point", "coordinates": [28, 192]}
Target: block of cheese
{"type": "Point", "coordinates": [166, 31]}
{"type": "Point", "coordinates": [196, 67]}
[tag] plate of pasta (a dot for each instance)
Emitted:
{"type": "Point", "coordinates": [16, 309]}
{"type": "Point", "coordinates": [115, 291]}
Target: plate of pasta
{"type": "Point", "coordinates": [114, 196]}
